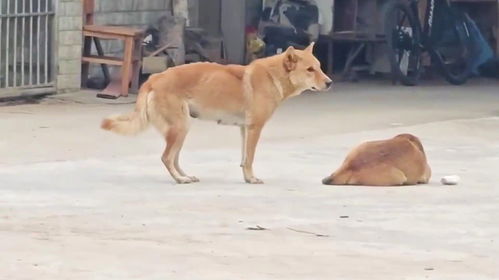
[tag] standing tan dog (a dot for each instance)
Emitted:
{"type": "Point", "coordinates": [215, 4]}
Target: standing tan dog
{"type": "Point", "coordinates": [393, 162]}
{"type": "Point", "coordinates": [245, 96]}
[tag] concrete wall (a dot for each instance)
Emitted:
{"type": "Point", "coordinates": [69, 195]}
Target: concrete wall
{"type": "Point", "coordinates": [68, 45]}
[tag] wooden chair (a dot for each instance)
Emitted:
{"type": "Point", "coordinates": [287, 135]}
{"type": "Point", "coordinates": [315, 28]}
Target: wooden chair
{"type": "Point", "coordinates": [130, 62]}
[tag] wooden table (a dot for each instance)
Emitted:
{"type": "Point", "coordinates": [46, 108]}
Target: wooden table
{"type": "Point", "coordinates": [358, 41]}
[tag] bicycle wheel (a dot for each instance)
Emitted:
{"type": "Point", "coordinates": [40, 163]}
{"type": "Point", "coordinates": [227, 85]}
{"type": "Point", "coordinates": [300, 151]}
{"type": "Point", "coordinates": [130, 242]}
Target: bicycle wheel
{"type": "Point", "coordinates": [451, 48]}
{"type": "Point", "coordinates": [403, 36]}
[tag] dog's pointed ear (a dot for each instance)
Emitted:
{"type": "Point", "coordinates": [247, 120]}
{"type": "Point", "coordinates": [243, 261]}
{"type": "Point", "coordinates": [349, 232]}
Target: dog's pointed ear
{"type": "Point", "coordinates": [310, 47]}
{"type": "Point", "coordinates": [290, 59]}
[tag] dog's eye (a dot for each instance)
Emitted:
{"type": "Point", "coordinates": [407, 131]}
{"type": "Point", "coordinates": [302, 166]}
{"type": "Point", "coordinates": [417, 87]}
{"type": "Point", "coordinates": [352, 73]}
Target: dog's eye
{"type": "Point", "coordinates": [310, 69]}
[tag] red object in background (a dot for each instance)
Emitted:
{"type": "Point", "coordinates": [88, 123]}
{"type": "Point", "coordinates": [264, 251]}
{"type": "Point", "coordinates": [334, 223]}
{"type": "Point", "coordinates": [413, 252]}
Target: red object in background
{"type": "Point", "coordinates": [250, 29]}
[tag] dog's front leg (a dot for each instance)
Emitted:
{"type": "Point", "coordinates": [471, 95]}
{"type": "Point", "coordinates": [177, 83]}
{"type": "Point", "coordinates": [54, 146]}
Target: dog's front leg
{"type": "Point", "coordinates": [243, 144]}
{"type": "Point", "coordinates": [251, 136]}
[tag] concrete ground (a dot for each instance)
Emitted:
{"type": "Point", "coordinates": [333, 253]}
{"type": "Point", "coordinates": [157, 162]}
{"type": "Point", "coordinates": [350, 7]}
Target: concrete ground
{"type": "Point", "coordinates": [80, 203]}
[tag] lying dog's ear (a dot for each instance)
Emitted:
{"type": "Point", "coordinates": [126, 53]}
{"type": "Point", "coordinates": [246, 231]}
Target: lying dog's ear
{"type": "Point", "coordinates": [310, 47]}
{"type": "Point", "coordinates": [290, 59]}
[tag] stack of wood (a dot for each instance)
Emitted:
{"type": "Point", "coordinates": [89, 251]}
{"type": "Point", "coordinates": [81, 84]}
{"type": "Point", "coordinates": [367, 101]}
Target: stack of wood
{"type": "Point", "coordinates": [164, 44]}
{"type": "Point", "coordinates": [200, 46]}
{"type": "Point", "coordinates": [170, 43]}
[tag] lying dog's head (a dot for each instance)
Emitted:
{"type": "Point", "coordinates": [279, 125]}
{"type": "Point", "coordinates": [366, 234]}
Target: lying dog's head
{"type": "Point", "coordinates": [305, 69]}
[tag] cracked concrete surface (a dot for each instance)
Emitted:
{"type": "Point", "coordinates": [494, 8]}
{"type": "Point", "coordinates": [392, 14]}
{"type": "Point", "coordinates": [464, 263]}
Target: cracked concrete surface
{"type": "Point", "coordinates": [80, 203]}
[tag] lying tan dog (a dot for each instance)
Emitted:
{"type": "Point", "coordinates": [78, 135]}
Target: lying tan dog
{"type": "Point", "coordinates": [245, 96]}
{"type": "Point", "coordinates": [393, 162]}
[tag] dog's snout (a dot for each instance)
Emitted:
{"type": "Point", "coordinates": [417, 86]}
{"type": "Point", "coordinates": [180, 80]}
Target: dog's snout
{"type": "Point", "coordinates": [326, 181]}
{"type": "Point", "coordinates": [329, 84]}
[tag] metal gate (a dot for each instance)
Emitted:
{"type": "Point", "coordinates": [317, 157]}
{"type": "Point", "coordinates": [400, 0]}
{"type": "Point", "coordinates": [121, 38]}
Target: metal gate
{"type": "Point", "coordinates": [26, 47]}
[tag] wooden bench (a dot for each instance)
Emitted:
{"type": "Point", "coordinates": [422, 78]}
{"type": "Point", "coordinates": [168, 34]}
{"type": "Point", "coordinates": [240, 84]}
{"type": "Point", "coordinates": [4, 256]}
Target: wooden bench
{"type": "Point", "coordinates": [130, 63]}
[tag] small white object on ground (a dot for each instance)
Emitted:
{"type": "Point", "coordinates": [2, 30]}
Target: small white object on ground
{"type": "Point", "coordinates": [450, 180]}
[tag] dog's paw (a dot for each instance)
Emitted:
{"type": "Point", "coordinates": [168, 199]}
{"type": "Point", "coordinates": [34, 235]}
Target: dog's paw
{"type": "Point", "coordinates": [254, 180]}
{"type": "Point", "coordinates": [194, 179]}
{"type": "Point", "coordinates": [186, 180]}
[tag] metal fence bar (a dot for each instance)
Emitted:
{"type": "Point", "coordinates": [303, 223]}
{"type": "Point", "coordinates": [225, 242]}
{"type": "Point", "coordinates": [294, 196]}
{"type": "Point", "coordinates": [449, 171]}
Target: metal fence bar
{"type": "Point", "coordinates": [7, 48]}
{"type": "Point", "coordinates": [31, 34]}
{"type": "Point", "coordinates": [38, 43]}
{"type": "Point", "coordinates": [23, 31]}
{"type": "Point", "coordinates": [28, 14]}
{"type": "Point", "coordinates": [46, 42]}
{"type": "Point", "coordinates": [14, 81]}
{"type": "Point", "coordinates": [1, 36]}
{"type": "Point", "coordinates": [26, 58]}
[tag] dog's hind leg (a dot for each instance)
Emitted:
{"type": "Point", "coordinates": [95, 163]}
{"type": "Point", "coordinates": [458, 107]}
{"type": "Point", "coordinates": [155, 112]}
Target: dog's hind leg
{"type": "Point", "coordinates": [426, 176]}
{"type": "Point", "coordinates": [174, 140]}
{"type": "Point", "coordinates": [380, 175]}
{"type": "Point", "coordinates": [177, 166]}
{"type": "Point", "coordinates": [178, 126]}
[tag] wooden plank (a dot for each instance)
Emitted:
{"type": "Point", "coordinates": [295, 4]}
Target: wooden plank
{"type": "Point", "coordinates": [127, 66]}
{"type": "Point", "coordinates": [104, 35]}
{"type": "Point", "coordinates": [88, 11]}
{"type": "Point", "coordinates": [118, 30]}
{"type": "Point", "coordinates": [102, 60]}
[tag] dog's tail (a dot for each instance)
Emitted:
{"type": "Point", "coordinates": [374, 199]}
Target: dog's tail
{"type": "Point", "coordinates": [134, 122]}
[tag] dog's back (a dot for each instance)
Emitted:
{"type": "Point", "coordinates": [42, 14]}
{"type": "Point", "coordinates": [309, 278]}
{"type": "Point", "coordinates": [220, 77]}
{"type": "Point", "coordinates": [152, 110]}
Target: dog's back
{"type": "Point", "coordinates": [397, 161]}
